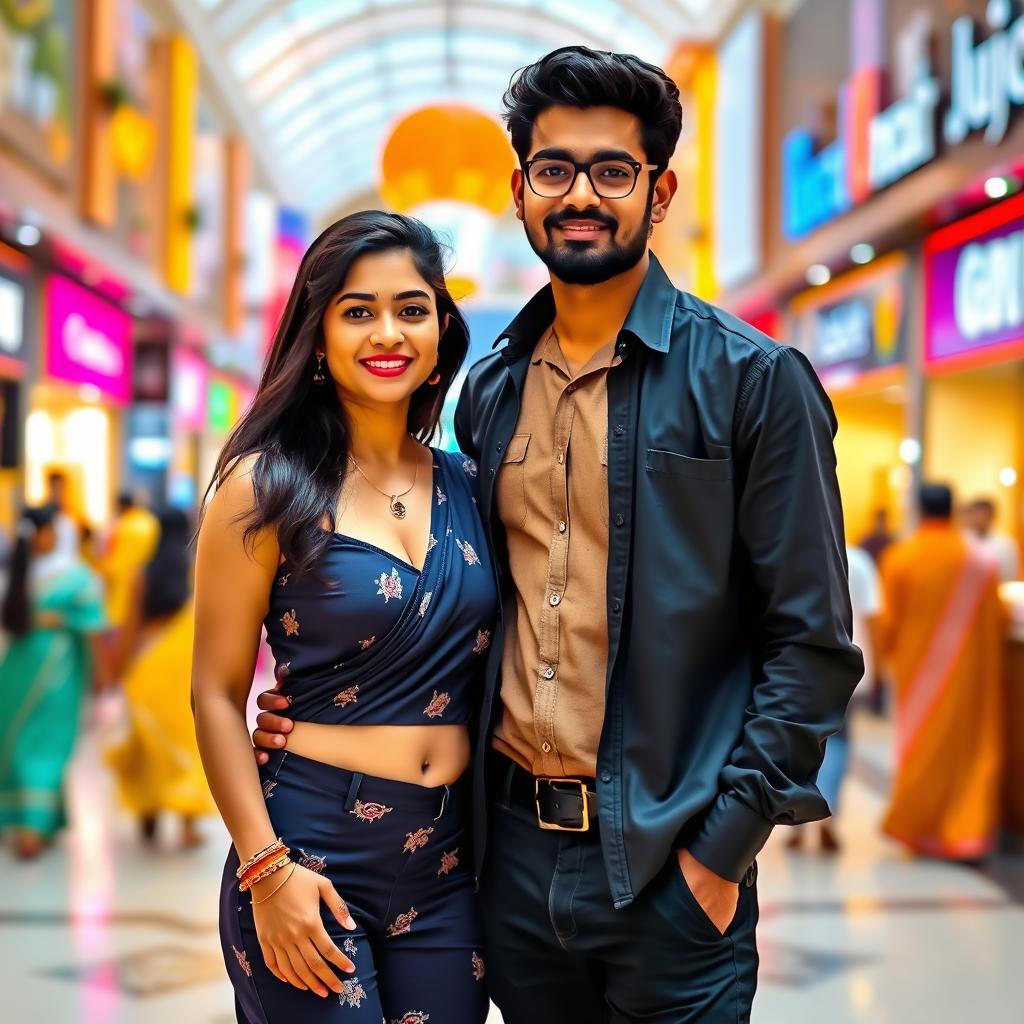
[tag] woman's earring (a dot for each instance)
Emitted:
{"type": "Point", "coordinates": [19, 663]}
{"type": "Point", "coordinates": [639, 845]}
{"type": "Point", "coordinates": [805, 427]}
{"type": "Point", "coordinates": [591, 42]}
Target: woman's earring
{"type": "Point", "coordinates": [434, 379]}
{"type": "Point", "coordinates": [318, 377]}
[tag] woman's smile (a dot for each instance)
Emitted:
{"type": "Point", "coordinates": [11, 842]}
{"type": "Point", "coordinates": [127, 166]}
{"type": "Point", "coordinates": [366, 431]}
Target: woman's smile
{"type": "Point", "coordinates": [387, 366]}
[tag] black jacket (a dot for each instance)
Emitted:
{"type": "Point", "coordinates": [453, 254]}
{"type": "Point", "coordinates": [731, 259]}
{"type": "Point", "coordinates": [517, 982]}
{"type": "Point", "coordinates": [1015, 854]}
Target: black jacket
{"type": "Point", "coordinates": [729, 619]}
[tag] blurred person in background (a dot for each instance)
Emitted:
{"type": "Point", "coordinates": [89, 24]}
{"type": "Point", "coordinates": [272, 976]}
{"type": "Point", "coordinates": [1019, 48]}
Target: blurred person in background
{"type": "Point", "coordinates": [879, 538]}
{"type": "Point", "coordinates": [132, 541]}
{"type": "Point", "coordinates": [943, 636]}
{"type": "Point", "coordinates": [362, 552]}
{"type": "Point", "coordinates": [70, 531]}
{"type": "Point", "coordinates": [979, 517]}
{"type": "Point", "coordinates": [866, 599]}
{"type": "Point", "coordinates": [157, 765]}
{"type": "Point", "coordinates": [53, 615]}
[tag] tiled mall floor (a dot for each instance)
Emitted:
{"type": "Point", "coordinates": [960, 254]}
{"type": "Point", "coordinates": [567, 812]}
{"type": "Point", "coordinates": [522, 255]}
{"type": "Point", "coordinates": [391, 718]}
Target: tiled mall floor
{"type": "Point", "coordinates": [102, 932]}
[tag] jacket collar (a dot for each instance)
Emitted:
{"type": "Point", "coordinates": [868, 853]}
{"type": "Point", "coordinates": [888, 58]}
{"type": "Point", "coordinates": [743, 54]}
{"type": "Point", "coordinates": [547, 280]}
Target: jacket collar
{"type": "Point", "coordinates": [649, 319]}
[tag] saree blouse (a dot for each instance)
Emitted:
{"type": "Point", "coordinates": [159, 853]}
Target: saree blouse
{"type": "Point", "coordinates": [368, 639]}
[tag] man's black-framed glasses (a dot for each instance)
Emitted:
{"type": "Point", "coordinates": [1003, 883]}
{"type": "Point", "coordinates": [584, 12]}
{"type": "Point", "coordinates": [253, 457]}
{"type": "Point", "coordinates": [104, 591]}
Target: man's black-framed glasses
{"type": "Point", "coordinates": [610, 179]}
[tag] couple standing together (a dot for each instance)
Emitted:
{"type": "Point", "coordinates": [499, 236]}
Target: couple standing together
{"type": "Point", "coordinates": [592, 661]}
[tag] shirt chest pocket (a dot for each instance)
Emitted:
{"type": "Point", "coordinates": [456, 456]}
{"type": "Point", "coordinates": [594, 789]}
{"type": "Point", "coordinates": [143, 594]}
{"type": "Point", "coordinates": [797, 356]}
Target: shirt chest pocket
{"type": "Point", "coordinates": [512, 482]}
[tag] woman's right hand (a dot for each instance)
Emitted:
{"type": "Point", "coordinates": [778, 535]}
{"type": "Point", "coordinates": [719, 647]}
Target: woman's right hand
{"type": "Point", "coordinates": [295, 944]}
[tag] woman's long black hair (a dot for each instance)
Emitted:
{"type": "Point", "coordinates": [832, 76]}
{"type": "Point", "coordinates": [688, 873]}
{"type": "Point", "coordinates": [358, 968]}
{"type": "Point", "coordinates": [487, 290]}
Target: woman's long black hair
{"type": "Point", "coordinates": [168, 573]}
{"type": "Point", "coordinates": [298, 430]}
{"type": "Point", "coordinates": [16, 616]}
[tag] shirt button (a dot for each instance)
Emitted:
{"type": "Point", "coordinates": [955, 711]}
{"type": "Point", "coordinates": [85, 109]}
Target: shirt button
{"type": "Point", "coordinates": [571, 388]}
{"type": "Point", "coordinates": [561, 527]}
{"type": "Point", "coordinates": [619, 430]}
{"type": "Point", "coordinates": [549, 673]}
{"type": "Point", "coordinates": [619, 520]}
{"type": "Point", "coordinates": [500, 446]}
{"type": "Point", "coordinates": [561, 458]}
{"type": "Point", "coordinates": [492, 472]}
{"type": "Point", "coordinates": [606, 776]}
{"type": "Point", "coordinates": [556, 600]}
{"type": "Point", "coordinates": [616, 606]}
{"type": "Point", "coordinates": [546, 747]}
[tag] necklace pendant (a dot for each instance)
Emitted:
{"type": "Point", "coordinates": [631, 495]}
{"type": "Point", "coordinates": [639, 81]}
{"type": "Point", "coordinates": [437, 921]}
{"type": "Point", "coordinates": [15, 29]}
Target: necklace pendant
{"type": "Point", "coordinates": [397, 509]}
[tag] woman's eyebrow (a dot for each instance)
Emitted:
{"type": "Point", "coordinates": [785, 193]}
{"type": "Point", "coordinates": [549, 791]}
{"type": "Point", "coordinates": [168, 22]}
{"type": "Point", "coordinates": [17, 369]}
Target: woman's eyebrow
{"type": "Point", "coordinates": [372, 296]}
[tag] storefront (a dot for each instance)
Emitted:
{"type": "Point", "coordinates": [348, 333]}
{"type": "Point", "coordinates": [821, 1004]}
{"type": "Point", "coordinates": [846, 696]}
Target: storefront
{"type": "Point", "coordinates": [974, 359]}
{"type": "Point", "coordinates": [189, 406]}
{"type": "Point", "coordinates": [76, 422]}
{"type": "Point", "coordinates": [14, 314]}
{"type": "Point", "coordinates": [854, 331]}
{"type": "Point", "coordinates": [227, 398]}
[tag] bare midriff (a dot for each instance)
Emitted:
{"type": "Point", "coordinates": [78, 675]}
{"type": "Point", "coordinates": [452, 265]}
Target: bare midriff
{"type": "Point", "coordinates": [425, 755]}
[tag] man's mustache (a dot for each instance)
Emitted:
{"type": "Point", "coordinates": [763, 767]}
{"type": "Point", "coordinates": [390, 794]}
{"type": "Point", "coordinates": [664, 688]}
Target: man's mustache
{"type": "Point", "coordinates": [554, 220]}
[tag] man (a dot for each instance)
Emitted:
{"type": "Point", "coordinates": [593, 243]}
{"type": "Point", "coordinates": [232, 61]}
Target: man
{"type": "Point", "coordinates": [658, 480]}
{"type": "Point", "coordinates": [943, 634]}
{"type": "Point", "coordinates": [979, 518]}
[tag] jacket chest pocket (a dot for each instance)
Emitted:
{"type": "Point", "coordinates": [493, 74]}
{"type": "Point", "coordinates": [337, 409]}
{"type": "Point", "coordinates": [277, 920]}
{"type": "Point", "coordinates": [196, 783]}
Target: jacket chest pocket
{"type": "Point", "coordinates": [512, 482]}
{"type": "Point", "coordinates": [673, 464]}
{"type": "Point", "coordinates": [690, 519]}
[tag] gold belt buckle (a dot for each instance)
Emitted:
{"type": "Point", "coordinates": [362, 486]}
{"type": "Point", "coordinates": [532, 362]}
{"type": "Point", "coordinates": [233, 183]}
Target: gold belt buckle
{"type": "Point", "coordinates": [583, 799]}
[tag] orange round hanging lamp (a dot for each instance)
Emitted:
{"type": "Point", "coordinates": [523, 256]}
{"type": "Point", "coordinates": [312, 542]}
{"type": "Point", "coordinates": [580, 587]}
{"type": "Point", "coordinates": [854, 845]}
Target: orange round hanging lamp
{"type": "Point", "coordinates": [447, 151]}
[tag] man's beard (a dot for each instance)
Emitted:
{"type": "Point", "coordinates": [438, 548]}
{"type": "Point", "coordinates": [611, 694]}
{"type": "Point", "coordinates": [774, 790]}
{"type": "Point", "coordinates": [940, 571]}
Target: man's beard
{"type": "Point", "coordinates": [582, 262]}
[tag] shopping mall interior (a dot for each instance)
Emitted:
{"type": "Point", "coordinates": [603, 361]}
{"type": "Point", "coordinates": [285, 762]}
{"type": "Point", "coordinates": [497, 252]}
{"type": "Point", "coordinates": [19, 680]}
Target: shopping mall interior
{"type": "Point", "coordinates": [850, 183]}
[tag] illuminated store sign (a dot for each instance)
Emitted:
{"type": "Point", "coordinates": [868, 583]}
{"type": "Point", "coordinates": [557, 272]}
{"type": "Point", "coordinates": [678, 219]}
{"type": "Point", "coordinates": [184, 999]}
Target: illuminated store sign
{"type": "Point", "coordinates": [876, 147]}
{"type": "Point", "coordinates": [856, 325]}
{"type": "Point", "coordinates": [89, 341]}
{"type": "Point", "coordinates": [12, 317]}
{"type": "Point", "coordinates": [974, 289]}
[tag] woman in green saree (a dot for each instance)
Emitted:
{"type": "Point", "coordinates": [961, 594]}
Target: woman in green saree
{"type": "Point", "coordinates": [53, 614]}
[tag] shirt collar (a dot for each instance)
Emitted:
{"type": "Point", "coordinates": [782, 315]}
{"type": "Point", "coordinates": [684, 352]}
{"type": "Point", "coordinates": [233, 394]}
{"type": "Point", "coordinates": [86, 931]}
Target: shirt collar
{"type": "Point", "coordinates": [649, 319]}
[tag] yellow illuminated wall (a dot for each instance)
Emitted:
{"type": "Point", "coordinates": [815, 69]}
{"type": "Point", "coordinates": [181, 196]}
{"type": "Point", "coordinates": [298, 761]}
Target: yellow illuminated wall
{"type": "Point", "coordinates": [685, 242]}
{"type": "Point", "coordinates": [871, 474]}
{"type": "Point", "coordinates": [974, 428]}
{"type": "Point", "coordinates": [181, 125]}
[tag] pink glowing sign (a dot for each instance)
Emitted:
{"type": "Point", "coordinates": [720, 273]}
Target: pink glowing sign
{"type": "Point", "coordinates": [190, 384]}
{"type": "Point", "coordinates": [88, 341]}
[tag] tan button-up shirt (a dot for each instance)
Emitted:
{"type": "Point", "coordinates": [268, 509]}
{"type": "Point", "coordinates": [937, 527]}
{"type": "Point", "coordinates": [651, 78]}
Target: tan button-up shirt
{"type": "Point", "coordinates": [552, 498]}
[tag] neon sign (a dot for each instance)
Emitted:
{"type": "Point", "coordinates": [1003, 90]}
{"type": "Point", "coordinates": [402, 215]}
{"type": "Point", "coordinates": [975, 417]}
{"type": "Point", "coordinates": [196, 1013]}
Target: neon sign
{"type": "Point", "coordinates": [877, 147]}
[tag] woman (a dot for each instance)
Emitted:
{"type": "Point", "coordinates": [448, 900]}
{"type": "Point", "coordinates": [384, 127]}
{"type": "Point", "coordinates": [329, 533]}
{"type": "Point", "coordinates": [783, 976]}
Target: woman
{"type": "Point", "coordinates": [361, 550]}
{"type": "Point", "coordinates": [157, 765]}
{"type": "Point", "coordinates": [53, 615]}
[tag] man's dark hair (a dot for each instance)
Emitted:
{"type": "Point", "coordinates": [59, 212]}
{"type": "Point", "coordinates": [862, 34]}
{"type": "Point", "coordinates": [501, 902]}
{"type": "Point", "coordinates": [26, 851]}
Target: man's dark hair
{"type": "Point", "coordinates": [576, 76]}
{"type": "Point", "coordinates": [125, 501]}
{"type": "Point", "coordinates": [936, 501]}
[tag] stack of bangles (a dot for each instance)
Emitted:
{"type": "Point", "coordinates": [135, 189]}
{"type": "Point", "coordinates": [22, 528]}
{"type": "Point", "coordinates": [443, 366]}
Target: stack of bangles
{"type": "Point", "coordinates": [262, 865]}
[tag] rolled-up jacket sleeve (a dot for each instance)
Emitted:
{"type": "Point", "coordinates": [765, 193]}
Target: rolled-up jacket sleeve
{"type": "Point", "coordinates": [790, 532]}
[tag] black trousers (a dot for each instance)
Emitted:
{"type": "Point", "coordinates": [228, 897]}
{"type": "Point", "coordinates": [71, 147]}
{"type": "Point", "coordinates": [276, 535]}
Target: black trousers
{"type": "Point", "coordinates": [559, 953]}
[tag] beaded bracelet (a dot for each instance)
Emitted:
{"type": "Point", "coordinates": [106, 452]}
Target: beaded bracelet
{"type": "Point", "coordinates": [264, 861]}
{"type": "Point", "coordinates": [264, 871]}
{"type": "Point", "coordinates": [274, 847]}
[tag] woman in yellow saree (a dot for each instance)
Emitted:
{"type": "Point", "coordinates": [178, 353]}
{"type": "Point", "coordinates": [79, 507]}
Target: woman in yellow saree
{"type": "Point", "coordinates": [157, 765]}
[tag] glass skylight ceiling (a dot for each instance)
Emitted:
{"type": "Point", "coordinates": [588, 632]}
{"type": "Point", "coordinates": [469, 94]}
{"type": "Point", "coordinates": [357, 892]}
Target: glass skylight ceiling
{"type": "Point", "coordinates": [327, 78]}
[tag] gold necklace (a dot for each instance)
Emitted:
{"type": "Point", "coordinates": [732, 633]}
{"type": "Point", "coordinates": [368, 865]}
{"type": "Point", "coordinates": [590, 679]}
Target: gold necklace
{"type": "Point", "coordinates": [398, 509]}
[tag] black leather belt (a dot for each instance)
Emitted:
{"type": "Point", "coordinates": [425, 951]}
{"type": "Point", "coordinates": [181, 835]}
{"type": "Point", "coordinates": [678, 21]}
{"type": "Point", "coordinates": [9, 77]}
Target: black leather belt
{"type": "Point", "coordinates": [560, 804]}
